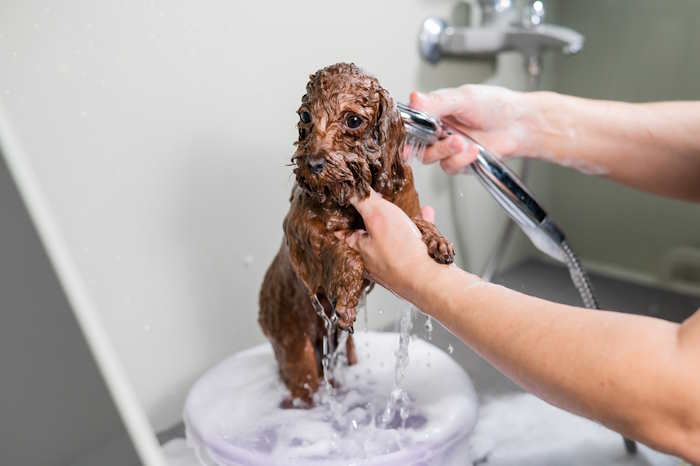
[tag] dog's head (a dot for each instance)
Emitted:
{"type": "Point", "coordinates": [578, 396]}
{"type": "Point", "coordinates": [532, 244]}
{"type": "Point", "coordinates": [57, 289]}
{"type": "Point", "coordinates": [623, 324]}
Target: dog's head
{"type": "Point", "coordinates": [350, 137]}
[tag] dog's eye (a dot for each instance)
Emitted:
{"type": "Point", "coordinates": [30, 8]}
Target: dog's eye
{"type": "Point", "coordinates": [353, 121]}
{"type": "Point", "coordinates": [305, 117]}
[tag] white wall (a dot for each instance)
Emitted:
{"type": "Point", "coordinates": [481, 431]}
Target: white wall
{"type": "Point", "coordinates": [159, 132]}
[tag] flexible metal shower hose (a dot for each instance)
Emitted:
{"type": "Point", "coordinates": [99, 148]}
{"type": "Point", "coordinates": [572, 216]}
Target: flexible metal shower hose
{"type": "Point", "coordinates": [580, 278]}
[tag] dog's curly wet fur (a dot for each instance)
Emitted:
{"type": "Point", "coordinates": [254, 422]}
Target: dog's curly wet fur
{"type": "Point", "coordinates": [351, 138]}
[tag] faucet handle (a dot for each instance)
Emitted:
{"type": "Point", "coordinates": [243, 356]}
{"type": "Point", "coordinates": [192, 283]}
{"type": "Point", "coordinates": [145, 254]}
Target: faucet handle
{"type": "Point", "coordinates": [429, 39]}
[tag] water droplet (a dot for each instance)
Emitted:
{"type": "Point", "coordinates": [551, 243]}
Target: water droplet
{"type": "Point", "coordinates": [7, 92]}
{"type": "Point", "coordinates": [450, 349]}
{"type": "Point", "coordinates": [147, 328]}
{"type": "Point", "coordinates": [461, 194]}
{"type": "Point", "coordinates": [83, 114]}
{"type": "Point", "coordinates": [380, 311]}
{"type": "Point", "coordinates": [355, 426]}
{"type": "Point", "coordinates": [248, 261]}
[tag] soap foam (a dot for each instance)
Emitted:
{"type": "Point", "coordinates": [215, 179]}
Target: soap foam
{"type": "Point", "coordinates": [233, 416]}
{"type": "Point", "coordinates": [523, 430]}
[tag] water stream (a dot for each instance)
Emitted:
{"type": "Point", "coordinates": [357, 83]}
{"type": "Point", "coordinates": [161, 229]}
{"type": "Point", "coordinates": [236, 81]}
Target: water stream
{"type": "Point", "coordinates": [399, 398]}
{"type": "Point", "coordinates": [329, 323]}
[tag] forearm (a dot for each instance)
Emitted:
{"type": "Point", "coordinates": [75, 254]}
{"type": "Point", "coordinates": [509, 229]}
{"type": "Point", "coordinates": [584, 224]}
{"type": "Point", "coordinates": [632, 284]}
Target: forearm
{"type": "Point", "coordinates": [625, 371]}
{"type": "Point", "coordinates": [654, 147]}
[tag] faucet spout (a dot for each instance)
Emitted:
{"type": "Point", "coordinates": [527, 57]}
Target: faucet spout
{"type": "Point", "coordinates": [545, 36]}
{"type": "Point", "coordinates": [437, 40]}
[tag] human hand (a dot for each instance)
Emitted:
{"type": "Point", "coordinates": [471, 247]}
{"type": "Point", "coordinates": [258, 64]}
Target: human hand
{"type": "Point", "coordinates": [494, 116]}
{"type": "Point", "coordinates": [392, 250]}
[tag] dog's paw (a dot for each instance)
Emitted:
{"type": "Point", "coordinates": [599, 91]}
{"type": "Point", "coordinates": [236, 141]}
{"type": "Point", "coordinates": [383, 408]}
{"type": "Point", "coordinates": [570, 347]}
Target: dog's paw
{"type": "Point", "coordinates": [346, 316]}
{"type": "Point", "coordinates": [440, 249]}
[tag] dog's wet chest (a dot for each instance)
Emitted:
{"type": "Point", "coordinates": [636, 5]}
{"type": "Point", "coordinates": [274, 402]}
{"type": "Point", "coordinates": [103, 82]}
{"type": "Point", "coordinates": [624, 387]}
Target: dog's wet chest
{"type": "Point", "coordinates": [341, 221]}
{"type": "Point", "coordinates": [325, 219]}
{"type": "Point", "coordinates": [311, 227]}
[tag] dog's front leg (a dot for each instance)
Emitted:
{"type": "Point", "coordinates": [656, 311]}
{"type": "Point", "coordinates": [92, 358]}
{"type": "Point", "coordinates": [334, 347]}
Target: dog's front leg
{"type": "Point", "coordinates": [439, 247]}
{"type": "Point", "coordinates": [305, 240]}
{"type": "Point", "coordinates": [344, 279]}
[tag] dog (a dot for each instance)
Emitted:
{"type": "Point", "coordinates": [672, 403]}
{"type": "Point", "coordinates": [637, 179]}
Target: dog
{"type": "Point", "coordinates": [351, 139]}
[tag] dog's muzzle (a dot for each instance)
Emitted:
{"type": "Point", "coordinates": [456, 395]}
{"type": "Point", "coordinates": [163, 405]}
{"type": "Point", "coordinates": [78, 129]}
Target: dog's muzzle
{"type": "Point", "coordinates": [315, 164]}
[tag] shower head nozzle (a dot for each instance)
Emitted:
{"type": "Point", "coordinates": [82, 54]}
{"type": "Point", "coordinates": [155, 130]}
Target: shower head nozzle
{"type": "Point", "coordinates": [500, 181]}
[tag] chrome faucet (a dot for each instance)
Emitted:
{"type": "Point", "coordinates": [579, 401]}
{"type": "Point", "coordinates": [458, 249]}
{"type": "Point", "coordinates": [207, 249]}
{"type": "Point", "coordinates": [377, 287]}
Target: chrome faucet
{"type": "Point", "coordinates": [504, 27]}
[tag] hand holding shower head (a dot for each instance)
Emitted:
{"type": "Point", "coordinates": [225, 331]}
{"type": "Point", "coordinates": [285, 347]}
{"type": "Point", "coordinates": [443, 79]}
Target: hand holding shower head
{"type": "Point", "coordinates": [499, 180]}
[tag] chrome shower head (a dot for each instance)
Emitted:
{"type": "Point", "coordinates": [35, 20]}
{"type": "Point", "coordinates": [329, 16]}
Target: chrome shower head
{"type": "Point", "coordinates": [499, 180]}
{"type": "Point", "coordinates": [421, 126]}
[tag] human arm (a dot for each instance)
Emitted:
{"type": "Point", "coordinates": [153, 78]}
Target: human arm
{"type": "Point", "coordinates": [637, 375]}
{"type": "Point", "coordinates": [651, 146]}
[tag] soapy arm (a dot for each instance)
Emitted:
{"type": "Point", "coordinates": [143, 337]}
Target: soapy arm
{"type": "Point", "coordinates": [637, 375]}
{"type": "Point", "coordinates": [654, 147]}
{"type": "Point", "coordinates": [651, 146]}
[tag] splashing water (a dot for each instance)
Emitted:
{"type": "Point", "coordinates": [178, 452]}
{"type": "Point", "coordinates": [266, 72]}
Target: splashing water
{"type": "Point", "coordinates": [339, 355]}
{"type": "Point", "coordinates": [326, 394]}
{"type": "Point", "coordinates": [450, 349]}
{"type": "Point", "coordinates": [433, 429]}
{"type": "Point", "coordinates": [362, 307]}
{"type": "Point", "coordinates": [414, 149]}
{"type": "Point", "coordinates": [429, 328]}
{"type": "Point", "coordinates": [399, 397]}
{"type": "Point", "coordinates": [329, 324]}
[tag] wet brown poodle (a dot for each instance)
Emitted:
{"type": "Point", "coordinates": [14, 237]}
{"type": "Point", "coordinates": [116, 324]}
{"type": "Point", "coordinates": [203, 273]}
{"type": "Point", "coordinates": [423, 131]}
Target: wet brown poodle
{"type": "Point", "coordinates": [351, 138]}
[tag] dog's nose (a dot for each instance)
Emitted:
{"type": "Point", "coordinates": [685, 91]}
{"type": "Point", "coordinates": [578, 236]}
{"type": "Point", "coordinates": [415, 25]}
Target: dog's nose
{"type": "Point", "coordinates": [315, 164]}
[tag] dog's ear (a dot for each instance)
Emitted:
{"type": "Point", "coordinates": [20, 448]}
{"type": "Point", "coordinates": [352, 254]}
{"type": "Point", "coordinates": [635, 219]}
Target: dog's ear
{"type": "Point", "coordinates": [390, 134]}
